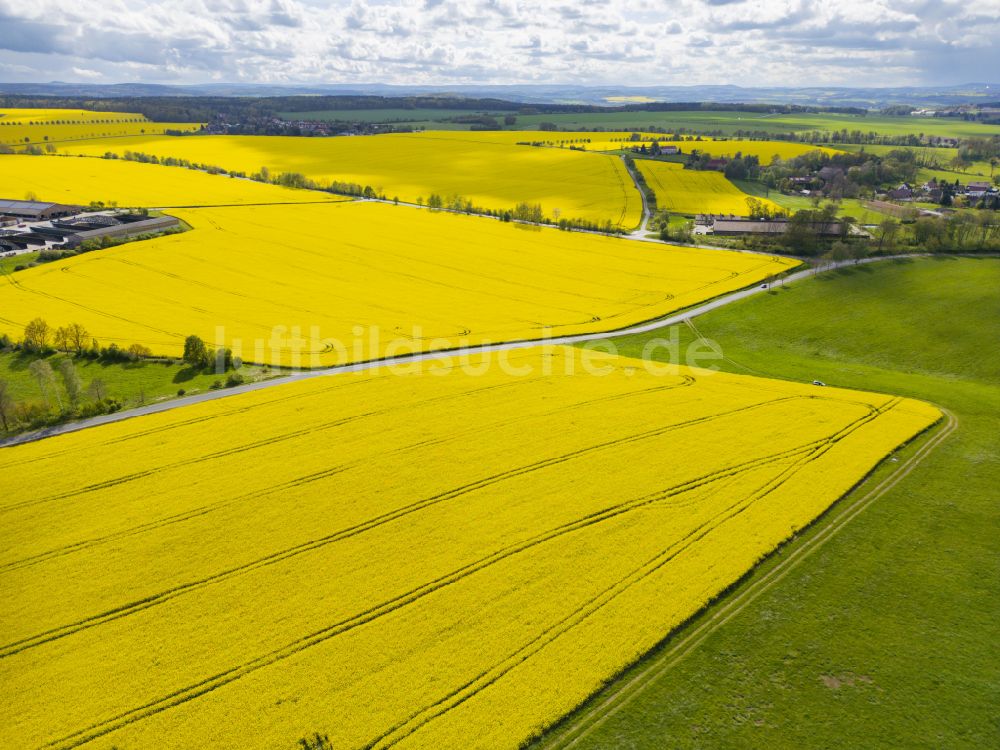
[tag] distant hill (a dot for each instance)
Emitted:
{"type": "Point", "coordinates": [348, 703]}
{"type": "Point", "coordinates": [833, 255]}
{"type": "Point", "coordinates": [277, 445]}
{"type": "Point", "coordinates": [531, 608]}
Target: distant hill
{"type": "Point", "coordinates": [821, 96]}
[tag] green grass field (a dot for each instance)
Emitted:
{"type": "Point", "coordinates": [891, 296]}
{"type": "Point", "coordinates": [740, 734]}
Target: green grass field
{"type": "Point", "coordinates": [8, 264]}
{"type": "Point", "coordinates": [730, 122]}
{"type": "Point", "coordinates": [791, 202]}
{"type": "Point", "coordinates": [889, 635]}
{"type": "Point", "coordinates": [979, 170]}
{"type": "Point", "coordinates": [384, 115]}
{"type": "Point", "coordinates": [697, 121]}
{"type": "Point", "coordinates": [131, 383]}
{"type": "Point", "coordinates": [848, 206]}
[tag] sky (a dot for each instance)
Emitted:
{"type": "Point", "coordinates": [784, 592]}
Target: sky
{"type": "Point", "coordinates": [856, 43]}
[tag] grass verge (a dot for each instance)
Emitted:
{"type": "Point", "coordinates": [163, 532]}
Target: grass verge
{"type": "Point", "coordinates": [889, 634]}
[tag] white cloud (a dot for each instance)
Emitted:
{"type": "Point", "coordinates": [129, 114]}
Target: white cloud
{"type": "Point", "coordinates": [748, 42]}
{"type": "Point", "coordinates": [87, 73]}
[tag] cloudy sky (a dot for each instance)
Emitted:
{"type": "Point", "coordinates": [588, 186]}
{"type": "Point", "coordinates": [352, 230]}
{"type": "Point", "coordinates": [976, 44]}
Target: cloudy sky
{"type": "Point", "coordinates": [624, 42]}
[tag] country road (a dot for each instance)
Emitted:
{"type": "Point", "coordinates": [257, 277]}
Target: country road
{"type": "Point", "coordinates": [652, 325]}
{"type": "Point", "coordinates": [640, 233]}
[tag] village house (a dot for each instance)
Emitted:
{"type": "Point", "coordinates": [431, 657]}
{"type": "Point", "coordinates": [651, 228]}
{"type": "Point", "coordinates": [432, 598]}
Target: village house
{"type": "Point", "coordinates": [903, 193]}
{"type": "Point", "coordinates": [979, 189]}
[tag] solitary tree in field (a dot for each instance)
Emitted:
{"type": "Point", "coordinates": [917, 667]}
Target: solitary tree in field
{"type": "Point", "coordinates": [97, 390]}
{"type": "Point", "coordinates": [195, 351]}
{"type": "Point", "coordinates": [71, 381]}
{"type": "Point", "coordinates": [42, 372]}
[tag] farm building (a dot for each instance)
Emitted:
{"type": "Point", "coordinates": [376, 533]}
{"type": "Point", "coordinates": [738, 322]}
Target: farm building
{"type": "Point", "coordinates": [11, 242]}
{"type": "Point", "coordinates": [980, 189]}
{"type": "Point", "coordinates": [24, 239]}
{"type": "Point", "coordinates": [121, 229]}
{"type": "Point", "coordinates": [735, 227]}
{"type": "Point", "coordinates": [36, 210]}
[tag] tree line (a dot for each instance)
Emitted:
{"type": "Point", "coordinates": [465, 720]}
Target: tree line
{"type": "Point", "coordinates": [63, 395]}
{"type": "Point", "coordinates": [205, 108]}
{"type": "Point", "coordinates": [522, 212]}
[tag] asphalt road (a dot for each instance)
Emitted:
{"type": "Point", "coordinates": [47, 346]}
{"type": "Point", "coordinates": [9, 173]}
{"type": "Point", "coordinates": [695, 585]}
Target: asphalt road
{"type": "Point", "coordinates": [652, 325]}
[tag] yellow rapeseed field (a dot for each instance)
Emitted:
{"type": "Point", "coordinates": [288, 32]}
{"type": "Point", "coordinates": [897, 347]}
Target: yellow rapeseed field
{"type": "Point", "coordinates": [439, 559]}
{"type": "Point", "coordinates": [338, 282]}
{"type": "Point", "coordinates": [36, 127]}
{"type": "Point", "coordinates": [41, 116]}
{"type": "Point", "coordinates": [763, 150]}
{"type": "Point", "coordinates": [689, 191]}
{"type": "Point", "coordinates": [615, 141]}
{"type": "Point", "coordinates": [82, 180]}
{"type": "Point", "coordinates": [552, 138]}
{"type": "Point", "coordinates": [494, 175]}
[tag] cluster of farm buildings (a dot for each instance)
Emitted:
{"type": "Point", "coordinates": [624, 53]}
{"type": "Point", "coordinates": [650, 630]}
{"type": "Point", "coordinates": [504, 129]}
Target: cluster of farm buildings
{"type": "Point", "coordinates": [934, 191]}
{"type": "Point", "coordinates": [35, 225]}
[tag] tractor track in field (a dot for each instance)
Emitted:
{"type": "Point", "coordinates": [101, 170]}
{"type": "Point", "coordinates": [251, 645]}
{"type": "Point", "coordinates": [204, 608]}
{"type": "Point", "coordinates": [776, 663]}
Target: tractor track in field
{"type": "Point", "coordinates": [123, 610]}
{"type": "Point", "coordinates": [583, 723]}
{"type": "Point", "coordinates": [649, 567]}
{"type": "Point", "coordinates": [186, 515]}
{"type": "Point", "coordinates": [151, 708]}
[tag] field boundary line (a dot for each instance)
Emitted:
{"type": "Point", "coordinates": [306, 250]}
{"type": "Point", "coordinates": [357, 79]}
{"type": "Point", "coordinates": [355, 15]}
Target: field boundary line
{"type": "Point", "coordinates": [675, 318]}
{"type": "Point", "coordinates": [596, 716]}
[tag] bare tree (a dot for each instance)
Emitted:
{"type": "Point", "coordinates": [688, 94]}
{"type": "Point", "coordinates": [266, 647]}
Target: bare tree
{"type": "Point", "coordinates": [78, 336]}
{"type": "Point", "coordinates": [42, 372]}
{"type": "Point", "coordinates": [71, 380]}
{"type": "Point", "coordinates": [6, 406]}
{"type": "Point", "coordinates": [61, 339]}
{"type": "Point", "coordinates": [97, 389]}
